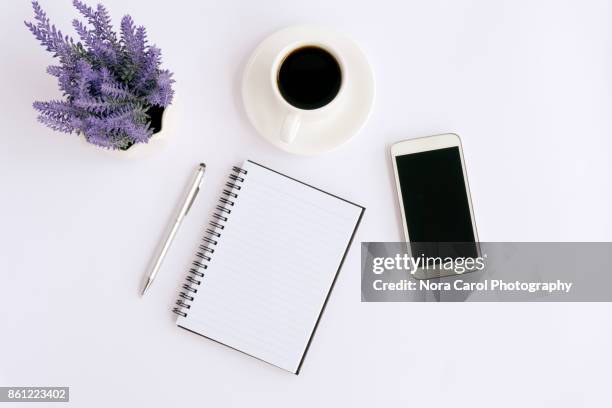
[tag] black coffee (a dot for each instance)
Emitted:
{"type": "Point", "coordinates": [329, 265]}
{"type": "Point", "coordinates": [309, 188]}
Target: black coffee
{"type": "Point", "coordinates": [309, 78]}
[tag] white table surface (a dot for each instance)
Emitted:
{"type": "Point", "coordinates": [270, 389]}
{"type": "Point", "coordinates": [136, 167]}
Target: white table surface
{"type": "Point", "coordinates": [526, 84]}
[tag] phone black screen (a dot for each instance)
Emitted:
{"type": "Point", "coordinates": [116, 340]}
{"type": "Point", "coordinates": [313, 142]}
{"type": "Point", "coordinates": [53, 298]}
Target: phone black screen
{"type": "Point", "coordinates": [434, 194]}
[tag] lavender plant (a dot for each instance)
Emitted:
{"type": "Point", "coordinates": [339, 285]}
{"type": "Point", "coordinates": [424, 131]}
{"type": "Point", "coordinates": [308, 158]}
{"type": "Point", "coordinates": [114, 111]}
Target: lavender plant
{"type": "Point", "coordinates": [112, 85]}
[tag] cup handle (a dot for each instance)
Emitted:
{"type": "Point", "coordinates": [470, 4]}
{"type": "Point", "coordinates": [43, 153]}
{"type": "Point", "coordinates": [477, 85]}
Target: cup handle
{"type": "Point", "coordinates": [290, 127]}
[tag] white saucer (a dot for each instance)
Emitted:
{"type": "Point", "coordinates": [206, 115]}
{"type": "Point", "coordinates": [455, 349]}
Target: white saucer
{"type": "Point", "coordinates": [267, 114]}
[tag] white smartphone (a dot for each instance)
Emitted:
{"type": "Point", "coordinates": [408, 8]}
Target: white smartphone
{"type": "Point", "coordinates": [434, 199]}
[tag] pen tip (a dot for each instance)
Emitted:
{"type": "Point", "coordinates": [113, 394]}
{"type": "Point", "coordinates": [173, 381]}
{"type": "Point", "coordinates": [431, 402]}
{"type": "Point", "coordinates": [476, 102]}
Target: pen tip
{"type": "Point", "coordinates": [146, 287]}
{"type": "Point", "coordinates": [202, 164]}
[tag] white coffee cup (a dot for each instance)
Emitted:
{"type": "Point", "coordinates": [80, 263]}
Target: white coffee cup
{"type": "Point", "coordinates": [295, 116]}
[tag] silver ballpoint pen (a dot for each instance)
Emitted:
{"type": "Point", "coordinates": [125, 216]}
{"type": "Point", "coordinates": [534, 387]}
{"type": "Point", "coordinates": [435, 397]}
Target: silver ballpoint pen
{"type": "Point", "coordinates": [194, 188]}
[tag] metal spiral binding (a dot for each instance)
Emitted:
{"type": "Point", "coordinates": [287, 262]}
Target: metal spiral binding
{"type": "Point", "coordinates": [209, 241]}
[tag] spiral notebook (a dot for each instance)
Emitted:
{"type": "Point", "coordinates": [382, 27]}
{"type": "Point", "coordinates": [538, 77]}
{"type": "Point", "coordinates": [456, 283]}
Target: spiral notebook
{"type": "Point", "coordinates": [267, 264]}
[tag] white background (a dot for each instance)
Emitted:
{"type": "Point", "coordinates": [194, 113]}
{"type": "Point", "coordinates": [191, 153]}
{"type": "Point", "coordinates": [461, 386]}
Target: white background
{"type": "Point", "coordinates": [527, 84]}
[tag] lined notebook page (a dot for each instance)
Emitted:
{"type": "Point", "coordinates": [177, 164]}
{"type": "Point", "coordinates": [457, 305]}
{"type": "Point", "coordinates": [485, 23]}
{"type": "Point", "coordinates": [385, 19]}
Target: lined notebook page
{"type": "Point", "coordinates": [273, 267]}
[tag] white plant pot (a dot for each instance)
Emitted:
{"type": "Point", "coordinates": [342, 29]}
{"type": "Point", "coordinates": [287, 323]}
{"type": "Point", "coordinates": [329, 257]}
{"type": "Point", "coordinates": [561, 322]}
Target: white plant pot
{"type": "Point", "coordinates": [156, 143]}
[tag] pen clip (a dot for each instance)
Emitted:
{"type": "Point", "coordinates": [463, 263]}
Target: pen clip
{"type": "Point", "coordinates": [192, 199]}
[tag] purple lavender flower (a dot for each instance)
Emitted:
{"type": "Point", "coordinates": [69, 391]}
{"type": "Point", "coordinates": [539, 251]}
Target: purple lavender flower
{"type": "Point", "coordinates": [110, 83]}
